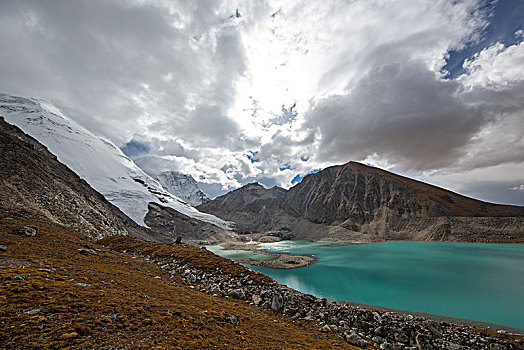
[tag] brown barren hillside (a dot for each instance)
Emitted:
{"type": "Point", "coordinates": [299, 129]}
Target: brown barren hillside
{"type": "Point", "coordinates": [355, 202]}
{"type": "Point", "coordinates": [34, 184]}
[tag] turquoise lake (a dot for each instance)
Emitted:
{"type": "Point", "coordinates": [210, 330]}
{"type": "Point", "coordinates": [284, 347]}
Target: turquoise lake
{"type": "Point", "coordinates": [483, 282]}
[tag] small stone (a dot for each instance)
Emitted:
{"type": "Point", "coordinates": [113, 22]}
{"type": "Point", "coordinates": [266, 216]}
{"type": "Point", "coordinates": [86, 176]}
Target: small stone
{"type": "Point", "coordinates": [18, 278]}
{"type": "Point", "coordinates": [325, 329]}
{"type": "Point", "coordinates": [71, 335]}
{"type": "Point", "coordinates": [256, 299]}
{"type": "Point", "coordinates": [87, 251]}
{"type": "Point", "coordinates": [238, 294]}
{"type": "Point", "coordinates": [234, 320]}
{"type": "Point", "coordinates": [26, 230]}
{"type": "Point", "coordinates": [3, 248]}
{"type": "Point", "coordinates": [355, 339]}
{"type": "Point", "coordinates": [32, 312]}
{"type": "Point", "coordinates": [495, 346]}
{"type": "Point", "coordinates": [453, 346]}
{"type": "Point", "coordinates": [191, 278]}
{"type": "Point", "coordinates": [277, 302]}
{"type": "Point", "coordinates": [84, 284]}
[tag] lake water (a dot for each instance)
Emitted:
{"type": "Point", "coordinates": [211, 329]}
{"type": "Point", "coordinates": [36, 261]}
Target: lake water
{"type": "Point", "coordinates": [483, 282]}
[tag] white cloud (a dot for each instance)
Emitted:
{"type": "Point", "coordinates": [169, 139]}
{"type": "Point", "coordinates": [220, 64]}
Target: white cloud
{"type": "Point", "coordinates": [203, 87]}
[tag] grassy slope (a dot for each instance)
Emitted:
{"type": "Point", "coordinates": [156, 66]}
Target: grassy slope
{"type": "Point", "coordinates": [146, 307]}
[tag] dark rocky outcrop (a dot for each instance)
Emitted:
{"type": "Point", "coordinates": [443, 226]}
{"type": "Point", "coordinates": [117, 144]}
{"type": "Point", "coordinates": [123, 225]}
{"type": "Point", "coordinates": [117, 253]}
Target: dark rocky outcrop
{"type": "Point", "coordinates": [355, 202]}
{"type": "Point", "coordinates": [175, 227]}
{"type": "Point", "coordinates": [35, 185]}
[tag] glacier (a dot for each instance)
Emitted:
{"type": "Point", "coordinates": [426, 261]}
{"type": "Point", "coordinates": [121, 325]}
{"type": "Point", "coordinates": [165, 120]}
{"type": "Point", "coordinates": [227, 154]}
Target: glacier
{"type": "Point", "coordinates": [96, 160]}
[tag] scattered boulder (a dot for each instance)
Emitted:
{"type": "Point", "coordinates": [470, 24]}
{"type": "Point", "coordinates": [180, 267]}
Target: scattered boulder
{"type": "Point", "coordinates": [237, 293]}
{"type": "Point", "coordinates": [87, 251]}
{"type": "Point", "coordinates": [3, 248]}
{"type": "Point", "coordinates": [277, 302]}
{"type": "Point", "coordinates": [178, 240]}
{"type": "Point", "coordinates": [256, 299]}
{"type": "Point", "coordinates": [325, 329]}
{"type": "Point", "coordinates": [234, 320]}
{"type": "Point", "coordinates": [32, 312]}
{"type": "Point", "coordinates": [355, 339]}
{"type": "Point", "coordinates": [26, 230]}
{"type": "Point", "coordinates": [18, 278]}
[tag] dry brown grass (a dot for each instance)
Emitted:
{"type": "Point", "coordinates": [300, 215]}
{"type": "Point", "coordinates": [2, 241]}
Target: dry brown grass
{"type": "Point", "coordinates": [141, 308]}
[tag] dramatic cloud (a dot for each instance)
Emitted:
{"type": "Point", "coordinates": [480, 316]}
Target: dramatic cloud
{"type": "Point", "coordinates": [235, 91]}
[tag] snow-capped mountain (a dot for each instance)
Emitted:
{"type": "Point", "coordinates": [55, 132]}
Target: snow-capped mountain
{"type": "Point", "coordinates": [183, 186]}
{"type": "Point", "coordinates": [95, 159]}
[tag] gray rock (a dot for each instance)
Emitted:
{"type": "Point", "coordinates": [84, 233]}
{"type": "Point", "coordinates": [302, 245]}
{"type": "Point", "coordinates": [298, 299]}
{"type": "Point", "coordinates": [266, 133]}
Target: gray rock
{"type": "Point", "coordinates": [26, 230]}
{"type": "Point", "coordinates": [234, 320]}
{"type": "Point", "coordinates": [495, 346]}
{"type": "Point", "coordinates": [453, 346]}
{"type": "Point", "coordinates": [325, 329]}
{"type": "Point", "coordinates": [191, 278]}
{"type": "Point", "coordinates": [355, 339]}
{"type": "Point", "coordinates": [3, 248]}
{"type": "Point", "coordinates": [277, 302]}
{"type": "Point", "coordinates": [18, 278]}
{"type": "Point", "coordinates": [237, 293]}
{"type": "Point", "coordinates": [256, 299]}
{"type": "Point", "coordinates": [32, 312]}
{"type": "Point", "coordinates": [86, 251]}
{"type": "Point", "coordinates": [401, 337]}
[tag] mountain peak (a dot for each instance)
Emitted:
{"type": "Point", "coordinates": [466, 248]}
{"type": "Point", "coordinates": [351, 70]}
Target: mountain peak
{"type": "Point", "coordinates": [183, 186]}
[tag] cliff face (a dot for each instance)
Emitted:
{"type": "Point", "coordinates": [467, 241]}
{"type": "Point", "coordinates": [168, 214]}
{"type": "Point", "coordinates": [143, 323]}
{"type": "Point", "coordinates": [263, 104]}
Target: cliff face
{"type": "Point", "coordinates": [35, 185]}
{"type": "Point", "coordinates": [348, 201]}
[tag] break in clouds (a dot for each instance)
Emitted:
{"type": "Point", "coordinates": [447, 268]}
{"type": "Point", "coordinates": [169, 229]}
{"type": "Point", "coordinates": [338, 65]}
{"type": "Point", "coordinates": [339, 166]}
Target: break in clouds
{"type": "Point", "coordinates": [238, 91]}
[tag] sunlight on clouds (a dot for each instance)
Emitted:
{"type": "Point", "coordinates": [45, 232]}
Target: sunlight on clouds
{"type": "Point", "coordinates": [204, 83]}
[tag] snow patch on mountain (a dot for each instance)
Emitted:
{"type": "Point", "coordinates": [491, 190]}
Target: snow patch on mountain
{"type": "Point", "coordinates": [95, 159]}
{"type": "Point", "coordinates": [183, 186]}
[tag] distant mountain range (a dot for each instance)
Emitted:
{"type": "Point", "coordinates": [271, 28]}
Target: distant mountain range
{"type": "Point", "coordinates": [355, 202]}
{"type": "Point", "coordinates": [350, 202]}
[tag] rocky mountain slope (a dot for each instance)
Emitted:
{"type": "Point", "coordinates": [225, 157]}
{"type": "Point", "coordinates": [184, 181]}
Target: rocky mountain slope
{"type": "Point", "coordinates": [183, 186]}
{"type": "Point", "coordinates": [95, 159]}
{"type": "Point", "coordinates": [34, 184]}
{"type": "Point", "coordinates": [355, 202]}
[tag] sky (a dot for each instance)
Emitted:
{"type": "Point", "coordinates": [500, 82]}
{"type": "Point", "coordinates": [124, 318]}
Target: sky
{"type": "Point", "coordinates": [233, 92]}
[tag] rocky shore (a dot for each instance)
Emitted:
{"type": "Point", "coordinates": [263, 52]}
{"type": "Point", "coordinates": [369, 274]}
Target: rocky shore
{"type": "Point", "coordinates": [361, 327]}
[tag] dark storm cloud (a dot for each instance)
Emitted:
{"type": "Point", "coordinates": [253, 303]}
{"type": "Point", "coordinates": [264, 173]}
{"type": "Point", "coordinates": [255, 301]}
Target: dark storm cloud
{"type": "Point", "coordinates": [401, 111]}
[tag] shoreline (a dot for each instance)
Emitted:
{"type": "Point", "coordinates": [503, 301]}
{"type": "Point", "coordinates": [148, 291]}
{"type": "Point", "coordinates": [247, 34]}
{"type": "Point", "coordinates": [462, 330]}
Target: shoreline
{"type": "Point", "coordinates": [437, 317]}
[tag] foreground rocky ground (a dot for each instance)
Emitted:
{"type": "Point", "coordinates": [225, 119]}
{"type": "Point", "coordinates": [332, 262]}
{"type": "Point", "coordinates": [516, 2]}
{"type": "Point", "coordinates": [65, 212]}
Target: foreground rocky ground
{"type": "Point", "coordinates": [59, 290]}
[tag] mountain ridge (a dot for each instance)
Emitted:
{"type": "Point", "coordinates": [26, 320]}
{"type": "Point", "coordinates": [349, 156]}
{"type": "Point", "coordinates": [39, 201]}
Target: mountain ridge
{"type": "Point", "coordinates": [355, 202]}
